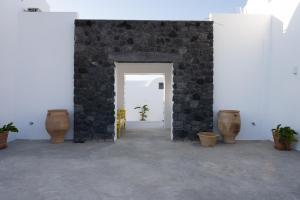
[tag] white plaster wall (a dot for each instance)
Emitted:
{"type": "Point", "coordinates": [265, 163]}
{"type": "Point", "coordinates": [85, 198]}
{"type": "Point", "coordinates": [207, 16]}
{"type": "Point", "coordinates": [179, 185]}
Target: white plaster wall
{"type": "Point", "coordinates": [282, 10]}
{"type": "Point", "coordinates": [284, 80]}
{"type": "Point", "coordinates": [142, 68]}
{"type": "Point", "coordinates": [44, 74]}
{"type": "Point", "coordinates": [285, 75]}
{"type": "Point", "coordinates": [8, 48]}
{"type": "Point", "coordinates": [241, 54]}
{"type": "Point", "coordinates": [139, 93]}
{"type": "Point", "coordinates": [257, 66]}
{"type": "Point", "coordinates": [9, 23]}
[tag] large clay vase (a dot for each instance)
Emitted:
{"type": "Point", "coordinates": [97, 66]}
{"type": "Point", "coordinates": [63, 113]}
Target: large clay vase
{"type": "Point", "coordinates": [229, 124]}
{"type": "Point", "coordinates": [57, 125]}
{"type": "Point", "coordinates": [3, 140]}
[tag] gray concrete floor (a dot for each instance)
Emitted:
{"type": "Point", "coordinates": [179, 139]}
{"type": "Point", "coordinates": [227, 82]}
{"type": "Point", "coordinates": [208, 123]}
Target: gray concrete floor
{"type": "Point", "coordinates": [147, 165]}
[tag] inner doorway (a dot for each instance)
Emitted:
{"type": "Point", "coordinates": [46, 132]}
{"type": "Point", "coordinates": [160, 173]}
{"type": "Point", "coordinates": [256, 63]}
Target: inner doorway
{"type": "Point", "coordinates": [140, 84]}
{"type": "Point", "coordinates": [144, 100]}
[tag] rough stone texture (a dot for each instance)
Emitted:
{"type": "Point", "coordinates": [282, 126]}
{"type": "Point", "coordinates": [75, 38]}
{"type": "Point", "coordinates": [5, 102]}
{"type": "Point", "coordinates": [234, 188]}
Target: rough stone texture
{"type": "Point", "coordinates": [146, 165]}
{"type": "Point", "coordinates": [99, 43]}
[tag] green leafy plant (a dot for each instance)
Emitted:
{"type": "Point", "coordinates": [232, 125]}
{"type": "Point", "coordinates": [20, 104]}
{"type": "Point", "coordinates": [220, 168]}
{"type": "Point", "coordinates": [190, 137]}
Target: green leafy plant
{"type": "Point", "coordinates": [143, 111]}
{"type": "Point", "coordinates": [286, 134]}
{"type": "Point", "coordinates": [9, 128]}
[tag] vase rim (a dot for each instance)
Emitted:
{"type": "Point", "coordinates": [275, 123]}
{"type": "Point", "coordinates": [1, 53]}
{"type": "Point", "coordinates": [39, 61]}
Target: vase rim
{"type": "Point", "coordinates": [230, 111]}
{"type": "Point", "coordinates": [208, 134]}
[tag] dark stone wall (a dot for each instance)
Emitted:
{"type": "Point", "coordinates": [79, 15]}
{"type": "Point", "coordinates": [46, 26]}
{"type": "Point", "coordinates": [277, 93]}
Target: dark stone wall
{"type": "Point", "coordinates": [186, 44]}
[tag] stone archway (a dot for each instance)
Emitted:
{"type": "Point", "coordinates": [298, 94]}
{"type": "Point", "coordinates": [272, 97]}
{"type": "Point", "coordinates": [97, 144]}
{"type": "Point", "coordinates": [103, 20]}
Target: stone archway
{"type": "Point", "coordinates": [100, 43]}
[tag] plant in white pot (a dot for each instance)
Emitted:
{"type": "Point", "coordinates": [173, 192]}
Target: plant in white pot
{"type": "Point", "coordinates": [4, 134]}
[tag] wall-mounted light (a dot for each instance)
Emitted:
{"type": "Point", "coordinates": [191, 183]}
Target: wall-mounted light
{"type": "Point", "coordinates": [33, 10]}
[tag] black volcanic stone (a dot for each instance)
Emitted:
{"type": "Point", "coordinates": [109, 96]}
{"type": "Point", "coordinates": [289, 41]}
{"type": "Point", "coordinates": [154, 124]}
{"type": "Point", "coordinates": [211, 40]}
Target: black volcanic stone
{"type": "Point", "coordinates": [99, 43]}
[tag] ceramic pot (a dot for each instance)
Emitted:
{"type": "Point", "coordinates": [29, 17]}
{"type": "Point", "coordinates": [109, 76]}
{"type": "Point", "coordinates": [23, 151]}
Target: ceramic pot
{"type": "Point", "coordinates": [229, 124]}
{"type": "Point", "coordinates": [3, 140]}
{"type": "Point", "coordinates": [280, 146]}
{"type": "Point", "coordinates": [207, 139]}
{"type": "Point", "coordinates": [57, 125]}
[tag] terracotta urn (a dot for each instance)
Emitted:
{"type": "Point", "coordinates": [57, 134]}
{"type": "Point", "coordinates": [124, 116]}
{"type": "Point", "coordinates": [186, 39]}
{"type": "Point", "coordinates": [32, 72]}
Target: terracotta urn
{"type": "Point", "coordinates": [3, 140]}
{"type": "Point", "coordinates": [207, 139]}
{"type": "Point", "coordinates": [57, 125]}
{"type": "Point", "coordinates": [229, 124]}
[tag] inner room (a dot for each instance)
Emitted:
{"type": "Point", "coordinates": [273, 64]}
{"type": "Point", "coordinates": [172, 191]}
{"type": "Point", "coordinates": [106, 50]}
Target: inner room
{"type": "Point", "coordinates": [143, 100]}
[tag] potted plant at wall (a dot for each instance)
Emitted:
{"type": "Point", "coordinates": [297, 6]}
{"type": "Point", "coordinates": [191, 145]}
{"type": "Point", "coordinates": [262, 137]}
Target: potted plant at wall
{"type": "Point", "coordinates": [143, 112]}
{"type": "Point", "coordinates": [4, 134]}
{"type": "Point", "coordinates": [284, 137]}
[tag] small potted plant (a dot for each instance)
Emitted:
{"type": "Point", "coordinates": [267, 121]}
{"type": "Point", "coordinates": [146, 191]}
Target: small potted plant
{"type": "Point", "coordinates": [284, 137]}
{"type": "Point", "coordinates": [143, 112]}
{"type": "Point", "coordinates": [4, 134]}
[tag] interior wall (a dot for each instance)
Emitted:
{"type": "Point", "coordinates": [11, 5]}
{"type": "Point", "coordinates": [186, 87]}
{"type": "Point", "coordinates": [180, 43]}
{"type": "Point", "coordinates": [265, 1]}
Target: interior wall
{"type": "Point", "coordinates": [241, 66]}
{"type": "Point", "coordinates": [142, 68]}
{"type": "Point", "coordinates": [143, 90]}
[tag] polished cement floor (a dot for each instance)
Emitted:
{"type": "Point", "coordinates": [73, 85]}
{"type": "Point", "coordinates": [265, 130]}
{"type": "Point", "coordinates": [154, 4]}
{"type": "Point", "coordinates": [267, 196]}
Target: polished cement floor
{"type": "Point", "coordinates": [145, 164]}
